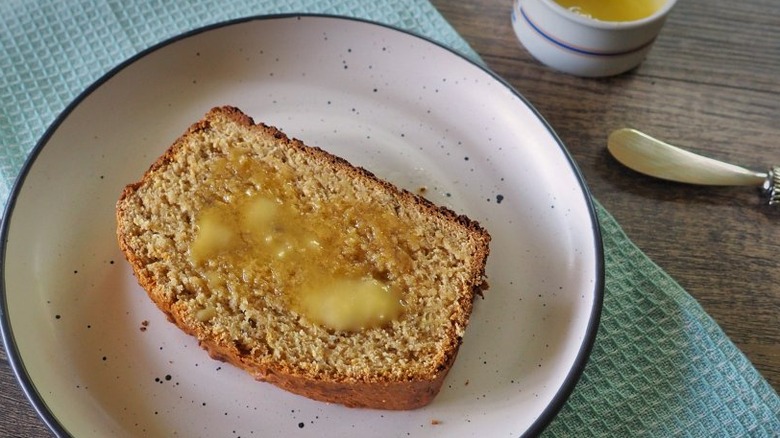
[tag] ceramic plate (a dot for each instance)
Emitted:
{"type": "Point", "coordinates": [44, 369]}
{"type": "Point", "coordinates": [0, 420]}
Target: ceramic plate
{"type": "Point", "coordinates": [96, 358]}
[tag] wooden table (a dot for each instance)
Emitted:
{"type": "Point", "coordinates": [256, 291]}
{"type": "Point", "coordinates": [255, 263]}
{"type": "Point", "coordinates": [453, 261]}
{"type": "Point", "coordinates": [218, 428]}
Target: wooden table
{"type": "Point", "coordinates": [711, 84]}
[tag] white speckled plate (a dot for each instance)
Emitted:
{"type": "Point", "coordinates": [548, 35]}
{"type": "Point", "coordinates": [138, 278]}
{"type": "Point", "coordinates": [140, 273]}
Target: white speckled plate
{"type": "Point", "coordinates": [98, 359]}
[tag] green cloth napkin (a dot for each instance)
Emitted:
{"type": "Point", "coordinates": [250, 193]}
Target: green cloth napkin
{"type": "Point", "coordinates": [660, 365]}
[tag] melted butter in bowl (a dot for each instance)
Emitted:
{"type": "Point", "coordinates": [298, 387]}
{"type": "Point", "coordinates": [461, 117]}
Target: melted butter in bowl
{"type": "Point", "coordinates": [613, 10]}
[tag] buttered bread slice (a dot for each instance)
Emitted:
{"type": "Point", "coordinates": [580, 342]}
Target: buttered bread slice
{"type": "Point", "coordinates": [305, 271]}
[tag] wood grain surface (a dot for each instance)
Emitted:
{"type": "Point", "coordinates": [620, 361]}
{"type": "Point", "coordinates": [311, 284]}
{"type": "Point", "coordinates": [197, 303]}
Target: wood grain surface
{"type": "Point", "coordinates": [711, 84]}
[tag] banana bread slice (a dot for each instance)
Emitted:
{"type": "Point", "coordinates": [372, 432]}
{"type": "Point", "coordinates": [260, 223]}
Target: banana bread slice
{"type": "Point", "coordinates": [305, 271]}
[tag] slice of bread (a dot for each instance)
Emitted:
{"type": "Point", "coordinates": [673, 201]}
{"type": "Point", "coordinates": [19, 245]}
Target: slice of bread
{"type": "Point", "coordinates": [303, 270]}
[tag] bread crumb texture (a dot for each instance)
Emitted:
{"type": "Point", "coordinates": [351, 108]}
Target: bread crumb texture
{"type": "Point", "coordinates": [241, 298]}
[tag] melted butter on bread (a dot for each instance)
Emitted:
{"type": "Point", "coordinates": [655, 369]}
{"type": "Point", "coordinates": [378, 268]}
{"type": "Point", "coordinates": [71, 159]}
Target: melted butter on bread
{"type": "Point", "coordinates": [305, 252]}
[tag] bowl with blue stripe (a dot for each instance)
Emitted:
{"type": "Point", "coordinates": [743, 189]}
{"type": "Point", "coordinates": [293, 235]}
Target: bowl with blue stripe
{"type": "Point", "coordinates": [570, 40]}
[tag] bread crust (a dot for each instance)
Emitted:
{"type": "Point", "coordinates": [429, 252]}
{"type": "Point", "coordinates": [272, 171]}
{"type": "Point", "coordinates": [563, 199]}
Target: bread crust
{"type": "Point", "coordinates": [368, 392]}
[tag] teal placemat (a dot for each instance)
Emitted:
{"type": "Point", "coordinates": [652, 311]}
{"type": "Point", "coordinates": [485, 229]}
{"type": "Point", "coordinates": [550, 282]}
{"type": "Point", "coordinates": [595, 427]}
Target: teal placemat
{"type": "Point", "coordinates": [660, 365]}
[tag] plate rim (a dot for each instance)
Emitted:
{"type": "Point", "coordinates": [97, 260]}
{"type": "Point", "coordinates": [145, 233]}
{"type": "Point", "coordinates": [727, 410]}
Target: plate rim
{"type": "Point", "coordinates": [6, 331]}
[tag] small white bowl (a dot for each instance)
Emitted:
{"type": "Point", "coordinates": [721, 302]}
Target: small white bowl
{"type": "Point", "coordinates": [582, 46]}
